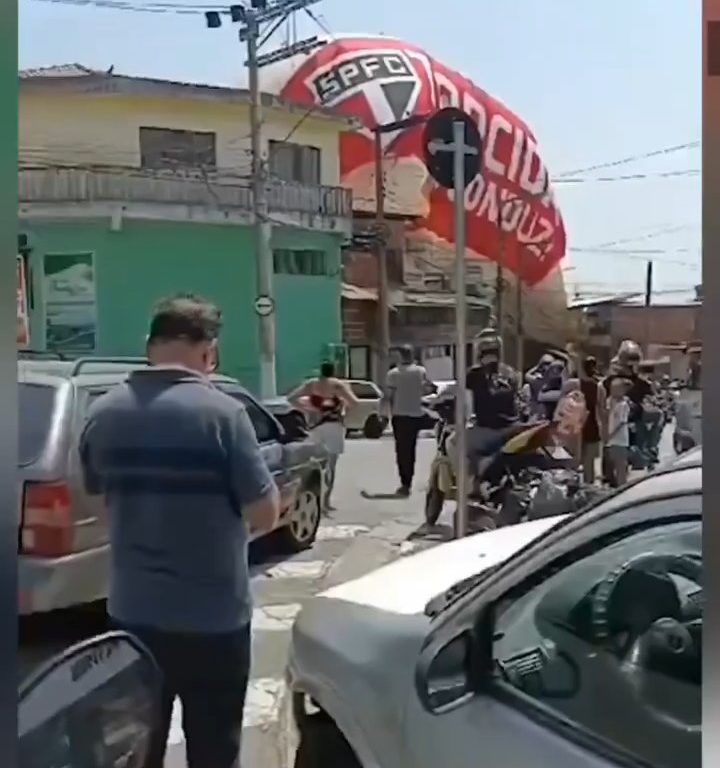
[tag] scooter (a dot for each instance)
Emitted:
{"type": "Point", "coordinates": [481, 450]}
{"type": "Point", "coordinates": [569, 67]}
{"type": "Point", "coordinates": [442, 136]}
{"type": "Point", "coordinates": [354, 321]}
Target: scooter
{"type": "Point", "coordinates": [92, 706]}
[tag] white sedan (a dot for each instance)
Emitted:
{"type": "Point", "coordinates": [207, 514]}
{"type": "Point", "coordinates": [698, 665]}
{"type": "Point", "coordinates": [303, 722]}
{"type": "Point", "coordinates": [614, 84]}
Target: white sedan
{"type": "Point", "coordinates": [570, 642]}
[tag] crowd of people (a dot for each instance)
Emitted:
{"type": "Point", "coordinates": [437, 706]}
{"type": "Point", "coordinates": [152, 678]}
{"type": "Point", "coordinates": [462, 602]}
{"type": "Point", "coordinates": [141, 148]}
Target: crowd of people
{"type": "Point", "coordinates": [621, 423]}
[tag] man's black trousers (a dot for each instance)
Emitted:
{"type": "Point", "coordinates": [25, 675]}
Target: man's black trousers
{"type": "Point", "coordinates": [209, 674]}
{"type": "Point", "coordinates": [405, 432]}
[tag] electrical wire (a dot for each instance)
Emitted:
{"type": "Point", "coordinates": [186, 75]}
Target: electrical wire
{"type": "Point", "coordinates": [631, 159]}
{"type": "Point", "coordinates": [684, 173]}
{"type": "Point", "coordinates": [648, 235]}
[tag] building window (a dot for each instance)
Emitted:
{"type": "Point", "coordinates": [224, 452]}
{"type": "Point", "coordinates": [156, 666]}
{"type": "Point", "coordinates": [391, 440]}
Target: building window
{"type": "Point", "coordinates": [294, 162]}
{"type": "Point", "coordinates": [425, 316]}
{"type": "Point", "coordinates": [304, 262]}
{"type": "Point", "coordinates": [359, 362]}
{"type": "Point", "coordinates": [169, 149]}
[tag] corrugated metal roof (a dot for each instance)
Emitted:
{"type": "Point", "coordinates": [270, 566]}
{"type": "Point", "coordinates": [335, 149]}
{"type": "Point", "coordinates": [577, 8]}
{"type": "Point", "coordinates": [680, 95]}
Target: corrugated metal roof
{"type": "Point", "coordinates": [402, 298]}
{"type": "Point", "coordinates": [60, 70]}
{"type": "Point", "coordinates": [613, 298]}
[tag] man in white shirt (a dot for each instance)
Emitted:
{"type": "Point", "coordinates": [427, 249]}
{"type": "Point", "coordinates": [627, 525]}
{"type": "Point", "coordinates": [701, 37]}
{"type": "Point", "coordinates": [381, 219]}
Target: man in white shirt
{"type": "Point", "coordinates": [407, 384]}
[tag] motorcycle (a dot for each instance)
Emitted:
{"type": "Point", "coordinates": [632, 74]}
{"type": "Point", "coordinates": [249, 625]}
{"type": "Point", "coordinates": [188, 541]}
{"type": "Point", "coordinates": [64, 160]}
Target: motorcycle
{"type": "Point", "coordinates": [521, 458]}
{"type": "Point", "coordinates": [93, 706]}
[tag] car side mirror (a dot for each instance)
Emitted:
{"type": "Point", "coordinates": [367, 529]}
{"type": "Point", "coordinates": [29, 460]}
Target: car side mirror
{"type": "Point", "coordinates": [444, 680]}
{"type": "Point", "coordinates": [448, 676]}
{"type": "Point", "coordinates": [94, 705]}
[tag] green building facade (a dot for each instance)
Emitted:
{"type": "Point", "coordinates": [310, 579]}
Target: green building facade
{"type": "Point", "coordinates": [92, 287]}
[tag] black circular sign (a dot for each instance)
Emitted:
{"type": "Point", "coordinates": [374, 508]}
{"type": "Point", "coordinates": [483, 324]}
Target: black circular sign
{"type": "Point", "coordinates": [438, 143]}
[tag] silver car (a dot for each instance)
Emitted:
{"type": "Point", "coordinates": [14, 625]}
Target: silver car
{"type": "Point", "coordinates": [63, 545]}
{"type": "Point", "coordinates": [571, 642]}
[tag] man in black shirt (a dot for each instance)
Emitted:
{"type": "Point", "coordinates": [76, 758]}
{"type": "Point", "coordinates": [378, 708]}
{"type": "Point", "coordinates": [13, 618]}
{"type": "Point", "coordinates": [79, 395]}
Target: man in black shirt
{"type": "Point", "coordinates": [494, 396]}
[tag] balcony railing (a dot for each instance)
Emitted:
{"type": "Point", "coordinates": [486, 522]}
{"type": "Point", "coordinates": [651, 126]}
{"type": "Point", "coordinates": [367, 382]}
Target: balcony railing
{"type": "Point", "coordinates": [80, 185]}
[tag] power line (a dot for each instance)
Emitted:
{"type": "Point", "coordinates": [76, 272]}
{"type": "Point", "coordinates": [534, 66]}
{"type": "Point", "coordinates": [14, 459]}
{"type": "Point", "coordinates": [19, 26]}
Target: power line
{"type": "Point", "coordinates": [684, 173]}
{"type": "Point", "coordinates": [648, 235]}
{"type": "Point", "coordinates": [630, 159]}
{"type": "Point", "coordinates": [635, 251]}
{"type": "Point", "coordinates": [635, 256]}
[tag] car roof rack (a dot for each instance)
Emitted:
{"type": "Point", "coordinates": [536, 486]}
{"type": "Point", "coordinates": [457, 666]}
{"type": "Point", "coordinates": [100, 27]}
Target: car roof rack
{"type": "Point", "coordinates": [90, 362]}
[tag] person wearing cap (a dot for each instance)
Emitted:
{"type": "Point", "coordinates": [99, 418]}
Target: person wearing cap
{"type": "Point", "coordinates": [493, 390]}
{"type": "Point", "coordinates": [184, 481]}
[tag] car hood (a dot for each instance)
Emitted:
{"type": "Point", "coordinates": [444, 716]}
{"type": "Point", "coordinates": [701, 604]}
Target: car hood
{"type": "Point", "coordinates": [354, 646]}
{"type": "Point", "coordinates": [406, 586]}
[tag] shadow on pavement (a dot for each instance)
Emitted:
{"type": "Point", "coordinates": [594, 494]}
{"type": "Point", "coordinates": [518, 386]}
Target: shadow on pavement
{"type": "Point", "coordinates": [432, 533]}
{"type": "Point", "coordinates": [383, 496]}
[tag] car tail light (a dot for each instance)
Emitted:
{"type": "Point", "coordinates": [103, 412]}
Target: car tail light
{"type": "Point", "coordinates": [47, 529]}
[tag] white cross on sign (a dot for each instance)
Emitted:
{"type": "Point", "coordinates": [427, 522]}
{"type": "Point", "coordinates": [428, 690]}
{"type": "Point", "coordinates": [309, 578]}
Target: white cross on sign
{"type": "Point", "coordinates": [436, 146]}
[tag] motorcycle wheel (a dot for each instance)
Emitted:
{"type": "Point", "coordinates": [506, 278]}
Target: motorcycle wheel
{"type": "Point", "coordinates": [434, 501]}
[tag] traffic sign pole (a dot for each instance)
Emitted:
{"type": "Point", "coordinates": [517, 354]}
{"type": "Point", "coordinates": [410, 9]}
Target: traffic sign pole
{"type": "Point", "coordinates": [452, 151]}
{"type": "Point", "coordinates": [461, 511]}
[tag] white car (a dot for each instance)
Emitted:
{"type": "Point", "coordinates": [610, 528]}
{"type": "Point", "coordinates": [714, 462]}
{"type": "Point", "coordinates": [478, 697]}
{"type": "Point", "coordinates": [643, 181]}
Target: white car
{"type": "Point", "coordinates": [367, 416]}
{"type": "Point", "coordinates": [571, 642]}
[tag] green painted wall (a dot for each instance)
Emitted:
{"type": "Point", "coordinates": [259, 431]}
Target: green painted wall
{"type": "Point", "coordinates": [145, 261]}
{"type": "Point", "coordinates": [308, 309]}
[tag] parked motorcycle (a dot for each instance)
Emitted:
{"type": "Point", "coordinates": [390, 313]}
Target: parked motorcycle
{"type": "Point", "coordinates": [93, 706]}
{"type": "Point", "coordinates": [523, 451]}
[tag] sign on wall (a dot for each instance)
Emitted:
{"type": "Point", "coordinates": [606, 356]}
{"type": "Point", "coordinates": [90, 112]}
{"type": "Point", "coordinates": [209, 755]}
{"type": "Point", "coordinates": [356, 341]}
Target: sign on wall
{"type": "Point", "coordinates": [70, 302]}
{"type": "Point", "coordinates": [23, 327]}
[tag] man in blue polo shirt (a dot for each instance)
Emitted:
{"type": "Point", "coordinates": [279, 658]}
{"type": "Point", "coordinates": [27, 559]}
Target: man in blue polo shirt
{"type": "Point", "coordinates": [179, 465]}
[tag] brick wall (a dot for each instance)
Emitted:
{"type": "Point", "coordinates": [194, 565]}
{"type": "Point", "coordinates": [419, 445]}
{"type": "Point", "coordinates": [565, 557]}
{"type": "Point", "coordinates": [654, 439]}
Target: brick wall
{"type": "Point", "coordinates": [656, 324]}
{"type": "Point", "coordinates": [358, 320]}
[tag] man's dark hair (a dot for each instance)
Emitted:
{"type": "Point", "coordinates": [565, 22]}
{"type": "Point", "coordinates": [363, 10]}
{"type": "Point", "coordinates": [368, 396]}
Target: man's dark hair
{"type": "Point", "coordinates": [187, 317]}
{"type": "Point", "coordinates": [327, 369]}
{"type": "Point", "coordinates": [407, 355]}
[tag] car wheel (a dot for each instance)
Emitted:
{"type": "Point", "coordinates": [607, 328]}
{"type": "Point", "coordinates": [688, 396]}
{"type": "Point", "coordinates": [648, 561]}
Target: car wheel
{"type": "Point", "coordinates": [374, 427]}
{"type": "Point", "coordinates": [322, 744]}
{"type": "Point", "coordinates": [300, 532]}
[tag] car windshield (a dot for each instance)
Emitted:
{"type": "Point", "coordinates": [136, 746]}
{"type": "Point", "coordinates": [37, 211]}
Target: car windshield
{"type": "Point", "coordinates": [36, 403]}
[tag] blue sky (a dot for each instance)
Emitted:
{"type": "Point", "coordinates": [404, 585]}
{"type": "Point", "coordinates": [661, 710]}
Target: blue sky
{"type": "Point", "coordinates": [597, 81]}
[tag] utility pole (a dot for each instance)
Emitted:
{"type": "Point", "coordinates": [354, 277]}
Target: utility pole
{"type": "Point", "coordinates": [500, 287]}
{"type": "Point", "coordinates": [520, 351]}
{"type": "Point", "coordinates": [648, 303]}
{"type": "Point", "coordinates": [251, 18]}
{"type": "Point", "coordinates": [264, 267]}
{"type": "Point", "coordinates": [381, 252]}
{"type": "Point", "coordinates": [383, 313]}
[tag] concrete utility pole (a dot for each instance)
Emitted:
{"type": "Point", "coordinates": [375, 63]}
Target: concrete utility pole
{"type": "Point", "coordinates": [264, 266]}
{"type": "Point", "coordinates": [648, 303]}
{"type": "Point", "coordinates": [381, 253]}
{"type": "Point", "coordinates": [252, 18]}
{"type": "Point", "coordinates": [383, 316]}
